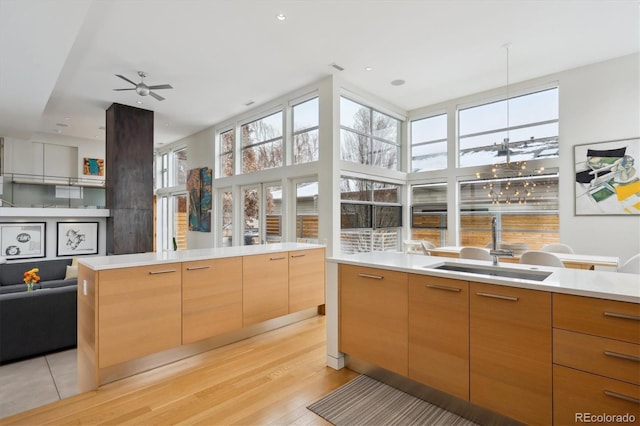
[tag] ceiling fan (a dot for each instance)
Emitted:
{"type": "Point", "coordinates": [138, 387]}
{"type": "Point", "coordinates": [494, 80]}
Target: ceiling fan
{"type": "Point", "coordinates": [142, 89]}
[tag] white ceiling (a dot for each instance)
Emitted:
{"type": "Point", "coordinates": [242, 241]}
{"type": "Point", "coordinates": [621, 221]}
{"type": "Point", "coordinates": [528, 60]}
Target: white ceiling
{"type": "Point", "coordinates": [58, 58]}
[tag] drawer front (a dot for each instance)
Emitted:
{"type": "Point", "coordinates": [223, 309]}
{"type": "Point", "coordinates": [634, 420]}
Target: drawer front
{"type": "Point", "coordinates": [580, 397]}
{"type": "Point", "coordinates": [606, 357]}
{"type": "Point", "coordinates": [606, 318]}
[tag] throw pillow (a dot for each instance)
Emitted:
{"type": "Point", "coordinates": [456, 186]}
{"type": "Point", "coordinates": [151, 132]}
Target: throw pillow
{"type": "Point", "coordinates": [74, 261]}
{"type": "Point", "coordinates": [72, 272]}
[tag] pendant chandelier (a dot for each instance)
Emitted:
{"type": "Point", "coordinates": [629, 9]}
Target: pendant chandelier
{"type": "Point", "coordinates": [510, 182]}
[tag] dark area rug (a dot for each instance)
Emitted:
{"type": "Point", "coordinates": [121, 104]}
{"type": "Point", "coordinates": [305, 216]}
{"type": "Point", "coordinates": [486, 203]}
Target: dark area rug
{"type": "Point", "coordinates": [365, 401]}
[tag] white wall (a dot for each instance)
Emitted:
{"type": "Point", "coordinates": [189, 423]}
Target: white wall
{"type": "Point", "coordinates": [200, 153]}
{"type": "Point", "coordinates": [598, 103]}
{"type": "Point", "coordinates": [35, 156]}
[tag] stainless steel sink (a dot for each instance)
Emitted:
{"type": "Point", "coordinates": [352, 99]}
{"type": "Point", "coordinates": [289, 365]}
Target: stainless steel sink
{"type": "Point", "coordinates": [493, 271]}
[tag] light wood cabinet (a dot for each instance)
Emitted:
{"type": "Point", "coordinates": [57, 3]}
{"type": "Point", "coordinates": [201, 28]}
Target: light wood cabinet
{"type": "Point", "coordinates": [510, 345]}
{"type": "Point", "coordinates": [577, 394]}
{"type": "Point", "coordinates": [265, 287]}
{"type": "Point", "coordinates": [606, 318]}
{"type": "Point", "coordinates": [373, 322]}
{"type": "Point", "coordinates": [596, 359]}
{"type": "Point", "coordinates": [306, 279]}
{"type": "Point", "coordinates": [439, 333]}
{"type": "Point", "coordinates": [211, 298]}
{"type": "Point", "coordinates": [139, 312]}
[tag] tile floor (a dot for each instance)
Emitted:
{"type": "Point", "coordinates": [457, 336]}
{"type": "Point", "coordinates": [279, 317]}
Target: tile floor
{"type": "Point", "coordinates": [37, 381]}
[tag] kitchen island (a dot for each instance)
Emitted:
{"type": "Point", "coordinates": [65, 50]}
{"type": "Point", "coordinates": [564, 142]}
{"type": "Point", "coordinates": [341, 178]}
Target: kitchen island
{"type": "Point", "coordinates": [529, 344]}
{"type": "Point", "coordinates": [140, 311]}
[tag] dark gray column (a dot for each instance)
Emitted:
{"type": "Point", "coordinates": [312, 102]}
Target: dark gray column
{"type": "Point", "coordinates": [129, 185]}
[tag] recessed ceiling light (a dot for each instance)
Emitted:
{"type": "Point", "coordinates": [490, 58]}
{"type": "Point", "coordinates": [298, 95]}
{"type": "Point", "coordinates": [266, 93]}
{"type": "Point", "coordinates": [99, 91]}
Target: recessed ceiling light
{"type": "Point", "coordinates": [368, 68]}
{"type": "Point", "coordinates": [62, 125]}
{"type": "Point", "coordinates": [66, 118]}
{"type": "Point", "coordinates": [139, 102]}
{"type": "Point", "coordinates": [281, 17]}
{"type": "Point", "coordinates": [398, 82]}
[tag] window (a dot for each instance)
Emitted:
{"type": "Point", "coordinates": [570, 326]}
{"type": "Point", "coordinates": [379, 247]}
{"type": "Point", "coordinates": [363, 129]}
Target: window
{"type": "Point", "coordinates": [251, 228]}
{"type": "Point", "coordinates": [307, 212]}
{"type": "Point", "coordinates": [429, 143]}
{"type": "Point", "coordinates": [180, 167]}
{"type": "Point", "coordinates": [180, 221]}
{"type": "Point", "coordinates": [531, 219]}
{"type": "Point", "coordinates": [227, 218]}
{"type": "Point", "coordinates": [262, 143]}
{"type": "Point", "coordinates": [226, 153]}
{"type": "Point", "coordinates": [429, 213]}
{"type": "Point", "coordinates": [368, 136]}
{"type": "Point", "coordinates": [273, 213]}
{"type": "Point", "coordinates": [524, 128]}
{"type": "Point", "coordinates": [162, 167]}
{"type": "Point", "coordinates": [370, 215]}
{"type": "Point", "coordinates": [305, 131]}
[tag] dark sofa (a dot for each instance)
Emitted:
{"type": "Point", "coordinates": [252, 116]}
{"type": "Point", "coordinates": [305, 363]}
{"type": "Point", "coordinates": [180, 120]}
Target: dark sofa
{"type": "Point", "coordinates": [37, 322]}
{"type": "Point", "coordinates": [52, 273]}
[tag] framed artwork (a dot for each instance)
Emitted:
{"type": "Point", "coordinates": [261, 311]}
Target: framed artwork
{"type": "Point", "coordinates": [93, 166]}
{"type": "Point", "coordinates": [607, 180]}
{"type": "Point", "coordinates": [22, 240]}
{"type": "Point", "coordinates": [77, 238]}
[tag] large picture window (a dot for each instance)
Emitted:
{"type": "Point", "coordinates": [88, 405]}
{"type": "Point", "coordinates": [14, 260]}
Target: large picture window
{"type": "Point", "coordinates": [532, 220]}
{"type": "Point", "coordinates": [524, 128]}
{"type": "Point", "coordinates": [370, 215]}
{"type": "Point", "coordinates": [368, 136]}
{"type": "Point", "coordinates": [262, 143]}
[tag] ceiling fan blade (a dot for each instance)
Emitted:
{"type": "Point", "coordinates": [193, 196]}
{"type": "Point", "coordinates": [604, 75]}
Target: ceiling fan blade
{"type": "Point", "coordinates": [126, 79]}
{"type": "Point", "coordinates": [133, 88]}
{"type": "Point", "coordinates": [161, 86]}
{"type": "Point", "coordinates": [155, 95]}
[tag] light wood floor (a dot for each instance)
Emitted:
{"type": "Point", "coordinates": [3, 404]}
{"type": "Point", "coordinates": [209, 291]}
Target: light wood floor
{"type": "Point", "coordinates": [267, 379]}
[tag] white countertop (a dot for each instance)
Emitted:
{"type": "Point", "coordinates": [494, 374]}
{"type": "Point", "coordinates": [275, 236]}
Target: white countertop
{"type": "Point", "coordinates": [600, 284]}
{"type": "Point", "coordinates": [99, 263]}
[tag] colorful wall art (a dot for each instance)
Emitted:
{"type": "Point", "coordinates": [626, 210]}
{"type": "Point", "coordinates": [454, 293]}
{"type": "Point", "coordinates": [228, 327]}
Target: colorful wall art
{"type": "Point", "coordinates": [607, 180]}
{"type": "Point", "coordinates": [200, 199]}
{"type": "Point", "coordinates": [93, 166]}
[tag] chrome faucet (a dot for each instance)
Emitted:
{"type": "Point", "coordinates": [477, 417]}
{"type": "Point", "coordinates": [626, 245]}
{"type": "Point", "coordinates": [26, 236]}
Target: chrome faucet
{"type": "Point", "coordinates": [495, 252]}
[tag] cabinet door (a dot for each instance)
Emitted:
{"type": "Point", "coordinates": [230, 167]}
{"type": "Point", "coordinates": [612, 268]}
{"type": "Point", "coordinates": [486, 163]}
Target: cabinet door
{"type": "Point", "coordinates": [265, 287]}
{"type": "Point", "coordinates": [139, 312]}
{"type": "Point", "coordinates": [373, 316]}
{"type": "Point", "coordinates": [211, 298]}
{"type": "Point", "coordinates": [439, 333]}
{"type": "Point", "coordinates": [510, 344]}
{"type": "Point", "coordinates": [306, 279]}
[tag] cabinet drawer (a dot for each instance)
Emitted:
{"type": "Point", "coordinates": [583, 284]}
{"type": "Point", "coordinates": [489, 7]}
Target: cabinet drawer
{"type": "Point", "coordinates": [577, 395]}
{"type": "Point", "coordinates": [606, 318]}
{"type": "Point", "coordinates": [606, 357]}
